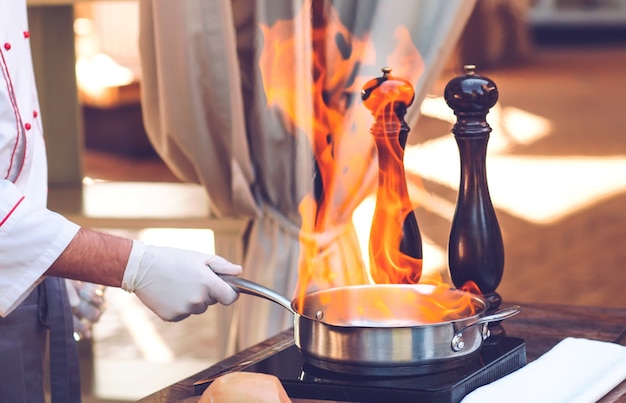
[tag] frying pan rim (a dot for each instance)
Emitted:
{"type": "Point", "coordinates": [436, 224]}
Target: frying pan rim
{"type": "Point", "coordinates": [482, 305]}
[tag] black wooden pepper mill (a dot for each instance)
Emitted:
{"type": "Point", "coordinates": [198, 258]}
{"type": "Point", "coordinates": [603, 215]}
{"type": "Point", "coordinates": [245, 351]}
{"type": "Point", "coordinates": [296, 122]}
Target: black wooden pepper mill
{"type": "Point", "coordinates": [388, 98]}
{"type": "Point", "coordinates": [476, 250]}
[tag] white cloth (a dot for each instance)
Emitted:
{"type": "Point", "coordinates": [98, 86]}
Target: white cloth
{"type": "Point", "coordinates": [24, 219]}
{"type": "Point", "coordinates": [573, 371]}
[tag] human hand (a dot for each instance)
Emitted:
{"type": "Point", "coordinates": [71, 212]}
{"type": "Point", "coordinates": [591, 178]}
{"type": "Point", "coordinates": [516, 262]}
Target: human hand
{"type": "Point", "coordinates": [175, 283]}
{"type": "Point", "coordinates": [87, 302]}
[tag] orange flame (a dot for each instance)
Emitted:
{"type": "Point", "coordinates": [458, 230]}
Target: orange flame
{"type": "Point", "coordinates": [312, 75]}
{"type": "Point", "coordinates": [313, 78]}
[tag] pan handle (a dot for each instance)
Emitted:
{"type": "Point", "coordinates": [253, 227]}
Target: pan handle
{"type": "Point", "coordinates": [457, 343]}
{"type": "Point", "coordinates": [244, 286]}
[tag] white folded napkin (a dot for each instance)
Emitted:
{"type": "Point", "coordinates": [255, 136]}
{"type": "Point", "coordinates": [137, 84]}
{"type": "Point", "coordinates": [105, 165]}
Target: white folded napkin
{"type": "Point", "coordinates": [575, 370]}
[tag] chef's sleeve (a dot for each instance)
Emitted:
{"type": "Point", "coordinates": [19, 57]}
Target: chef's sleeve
{"type": "Point", "coordinates": [31, 239]}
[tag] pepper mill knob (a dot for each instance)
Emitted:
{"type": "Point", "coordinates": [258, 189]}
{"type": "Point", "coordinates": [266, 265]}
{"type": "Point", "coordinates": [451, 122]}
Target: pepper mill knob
{"type": "Point", "coordinates": [386, 96]}
{"type": "Point", "coordinates": [381, 92]}
{"type": "Point", "coordinates": [471, 93]}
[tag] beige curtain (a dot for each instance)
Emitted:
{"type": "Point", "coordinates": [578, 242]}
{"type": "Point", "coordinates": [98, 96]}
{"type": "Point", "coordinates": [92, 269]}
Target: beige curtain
{"type": "Point", "coordinates": [207, 67]}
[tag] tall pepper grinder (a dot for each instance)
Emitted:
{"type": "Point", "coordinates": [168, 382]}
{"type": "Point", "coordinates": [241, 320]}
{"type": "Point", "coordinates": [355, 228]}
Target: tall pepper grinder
{"type": "Point", "coordinates": [395, 240]}
{"type": "Point", "coordinates": [476, 250]}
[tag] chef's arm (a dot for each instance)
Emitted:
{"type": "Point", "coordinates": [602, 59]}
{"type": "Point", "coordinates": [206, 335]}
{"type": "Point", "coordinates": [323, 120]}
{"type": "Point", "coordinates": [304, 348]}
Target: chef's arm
{"type": "Point", "coordinates": [174, 283]}
{"type": "Point", "coordinates": [36, 242]}
{"type": "Point", "coordinates": [94, 257]}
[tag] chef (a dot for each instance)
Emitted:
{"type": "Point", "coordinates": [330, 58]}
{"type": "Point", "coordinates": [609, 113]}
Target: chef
{"type": "Point", "coordinates": [39, 248]}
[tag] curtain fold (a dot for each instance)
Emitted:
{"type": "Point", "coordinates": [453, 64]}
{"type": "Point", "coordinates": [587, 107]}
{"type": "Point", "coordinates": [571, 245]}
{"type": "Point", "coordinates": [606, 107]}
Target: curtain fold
{"type": "Point", "coordinates": [281, 138]}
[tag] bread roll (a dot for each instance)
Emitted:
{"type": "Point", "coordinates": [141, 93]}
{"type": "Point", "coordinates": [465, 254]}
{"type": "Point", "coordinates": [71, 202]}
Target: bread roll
{"type": "Point", "coordinates": [245, 387]}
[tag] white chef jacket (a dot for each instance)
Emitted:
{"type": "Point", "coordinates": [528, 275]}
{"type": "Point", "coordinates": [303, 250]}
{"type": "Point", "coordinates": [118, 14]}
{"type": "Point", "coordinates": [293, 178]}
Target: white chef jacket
{"type": "Point", "coordinates": [31, 237]}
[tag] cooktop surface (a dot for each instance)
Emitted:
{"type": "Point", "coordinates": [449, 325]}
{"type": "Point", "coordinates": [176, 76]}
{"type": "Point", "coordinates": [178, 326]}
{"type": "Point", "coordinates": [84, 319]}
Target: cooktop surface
{"type": "Point", "coordinates": [499, 356]}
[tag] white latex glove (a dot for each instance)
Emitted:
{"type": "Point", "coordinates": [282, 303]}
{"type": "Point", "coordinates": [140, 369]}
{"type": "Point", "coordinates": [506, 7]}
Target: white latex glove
{"type": "Point", "coordinates": [87, 302]}
{"type": "Point", "coordinates": [175, 283]}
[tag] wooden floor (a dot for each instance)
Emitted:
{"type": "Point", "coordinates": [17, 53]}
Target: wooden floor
{"type": "Point", "coordinates": [559, 145]}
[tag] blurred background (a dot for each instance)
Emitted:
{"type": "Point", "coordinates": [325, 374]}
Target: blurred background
{"type": "Point", "coordinates": [556, 168]}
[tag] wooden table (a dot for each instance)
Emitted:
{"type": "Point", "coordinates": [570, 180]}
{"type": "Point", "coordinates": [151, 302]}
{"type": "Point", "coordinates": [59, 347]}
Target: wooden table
{"type": "Point", "coordinates": [541, 327]}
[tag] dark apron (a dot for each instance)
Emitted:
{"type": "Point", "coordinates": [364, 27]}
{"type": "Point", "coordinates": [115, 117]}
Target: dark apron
{"type": "Point", "coordinates": [45, 313]}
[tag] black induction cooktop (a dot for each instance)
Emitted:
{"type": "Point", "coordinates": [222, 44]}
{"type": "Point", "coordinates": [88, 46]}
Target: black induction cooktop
{"type": "Point", "coordinates": [499, 356]}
